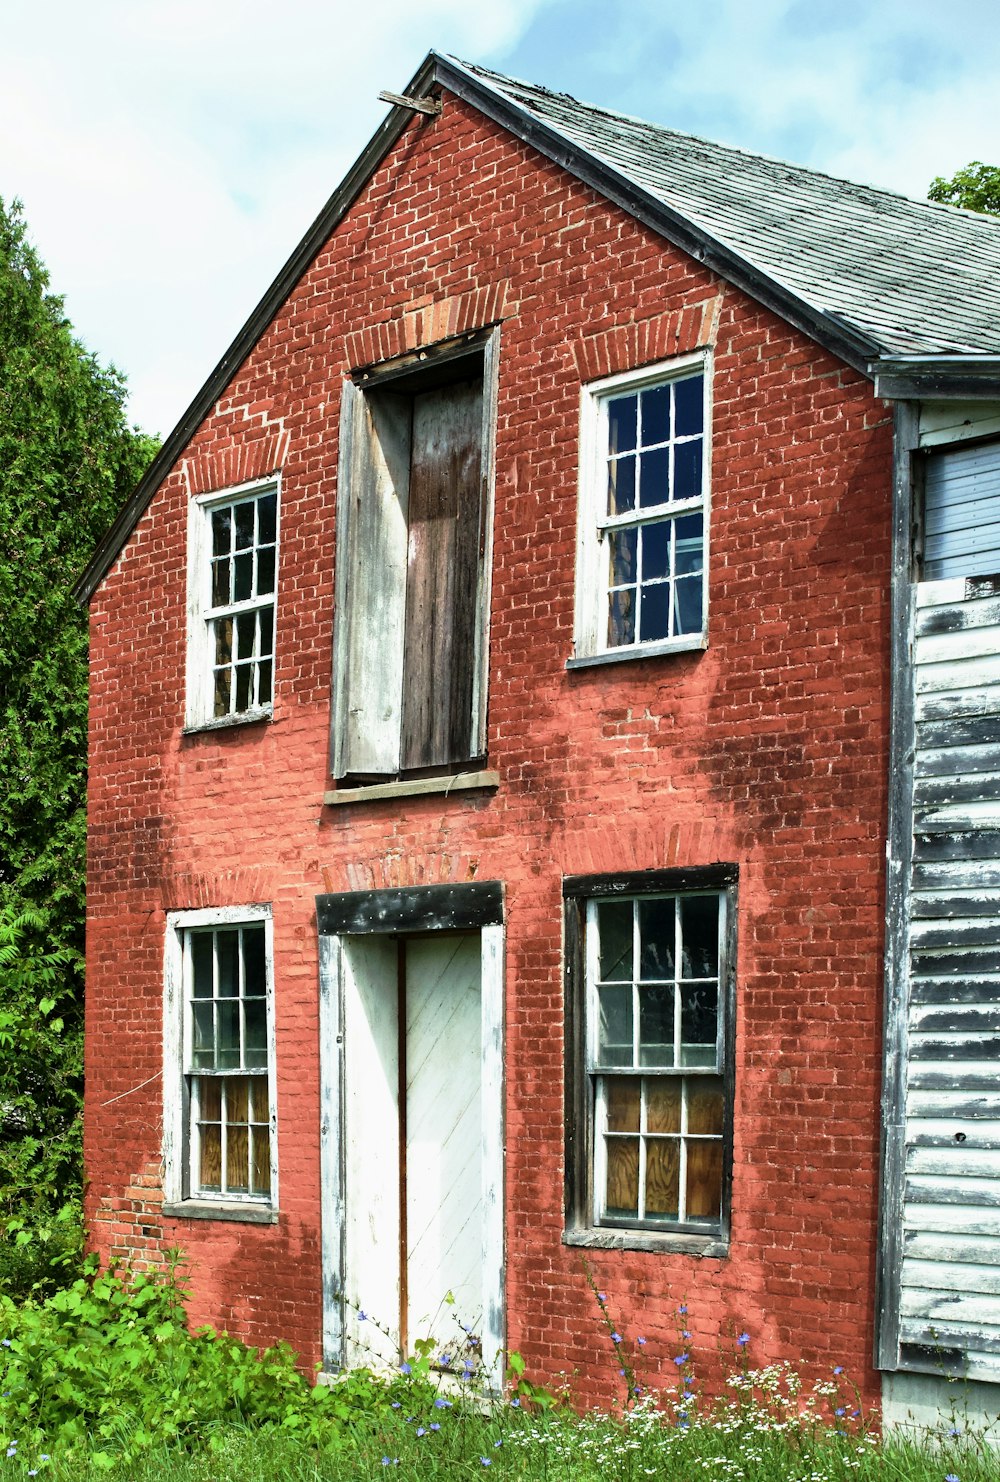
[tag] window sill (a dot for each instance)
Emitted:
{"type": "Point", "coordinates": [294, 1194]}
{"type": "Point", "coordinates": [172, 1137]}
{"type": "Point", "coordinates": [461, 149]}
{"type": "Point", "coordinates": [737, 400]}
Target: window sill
{"type": "Point", "coordinates": [211, 1209]}
{"type": "Point", "coordinates": [418, 787]}
{"type": "Point", "coordinates": [712, 1246]}
{"type": "Point", "coordinates": [640, 651]}
{"type": "Point", "coordinates": [223, 722]}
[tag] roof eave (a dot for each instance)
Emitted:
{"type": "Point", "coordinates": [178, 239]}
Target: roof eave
{"type": "Point", "coordinates": [972, 377]}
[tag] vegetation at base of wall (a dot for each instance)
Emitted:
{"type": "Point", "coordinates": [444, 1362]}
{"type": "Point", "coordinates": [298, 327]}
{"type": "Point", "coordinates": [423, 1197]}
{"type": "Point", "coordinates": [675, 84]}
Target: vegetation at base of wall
{"type": "Point", "coordinates": [68, 460]}
{"type": "Point", "coordinates": [976, 187]}
{"type": "Point", "coordinates": [103, 1378]}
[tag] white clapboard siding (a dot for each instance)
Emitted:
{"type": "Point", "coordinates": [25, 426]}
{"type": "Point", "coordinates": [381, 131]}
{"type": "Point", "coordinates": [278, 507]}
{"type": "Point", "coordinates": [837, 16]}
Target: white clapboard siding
{"type": "Point", "coordinates": [949, 1297]}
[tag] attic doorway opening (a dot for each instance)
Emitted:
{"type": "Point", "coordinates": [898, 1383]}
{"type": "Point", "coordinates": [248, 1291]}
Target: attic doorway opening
{"type": "Point", "coordinates": [411, 1143]}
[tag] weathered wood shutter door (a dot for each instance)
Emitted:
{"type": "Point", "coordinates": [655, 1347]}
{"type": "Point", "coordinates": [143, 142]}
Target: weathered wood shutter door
{"type": "Point", "coordinates": [372, 496]}
{"type": "Point", "coordinates": [443, 575]}
{"type": "Point", "coordinates": [949, 1282]}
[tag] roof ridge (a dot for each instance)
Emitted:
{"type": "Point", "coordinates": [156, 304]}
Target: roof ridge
{"type": "Point", "coordinates": [859, 186]}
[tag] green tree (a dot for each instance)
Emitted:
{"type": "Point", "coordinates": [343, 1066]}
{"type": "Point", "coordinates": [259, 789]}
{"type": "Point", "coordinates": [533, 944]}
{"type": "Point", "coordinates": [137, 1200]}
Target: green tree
{"type": "Point", "coordinates": [976, 187]}
{"type": "Point", "coordinates": [68, 459]}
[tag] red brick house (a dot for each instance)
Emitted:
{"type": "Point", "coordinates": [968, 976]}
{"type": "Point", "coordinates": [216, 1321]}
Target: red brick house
{"type": "Point", "coordinates": [644, 493]}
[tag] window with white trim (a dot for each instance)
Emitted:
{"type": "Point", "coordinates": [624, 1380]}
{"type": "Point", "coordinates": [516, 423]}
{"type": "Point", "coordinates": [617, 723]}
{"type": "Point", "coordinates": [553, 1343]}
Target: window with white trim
{"type": "Point", "coordinates": [641, 580]}
{"type": "Point", "coordinates": [232, 581]}
{"type": "Point", "coordinates": [219, 1072]}
{"type": "Point", "coordinates": [651, 1086]}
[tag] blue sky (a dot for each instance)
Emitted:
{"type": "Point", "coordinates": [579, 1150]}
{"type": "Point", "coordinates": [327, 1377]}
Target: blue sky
{"type": "Point", "coordinates": [169, 156]}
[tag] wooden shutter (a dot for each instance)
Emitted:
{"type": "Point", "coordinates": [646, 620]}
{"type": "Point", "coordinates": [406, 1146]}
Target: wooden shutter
{"type": "Point", "coordinates": [372, 497]}
{"type": "Point", "coordinates": [442, 608]}
{"type": "Point", "coordinates": [962, 512]}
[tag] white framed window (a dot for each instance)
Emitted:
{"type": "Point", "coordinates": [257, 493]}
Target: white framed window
{"type": "Point", "coordinates": [219, 1059]}
{"type": "Point", "coordinates": [651, 1082]}
{"type": "Point", "coordinates": [232, 585]}
{"type": "Point", "coordinates": [642, 555]}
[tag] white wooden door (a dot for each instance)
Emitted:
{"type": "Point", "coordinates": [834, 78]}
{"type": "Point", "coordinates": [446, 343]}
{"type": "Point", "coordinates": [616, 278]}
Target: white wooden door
{"type": "Point", "coordinates": [443, 1142]}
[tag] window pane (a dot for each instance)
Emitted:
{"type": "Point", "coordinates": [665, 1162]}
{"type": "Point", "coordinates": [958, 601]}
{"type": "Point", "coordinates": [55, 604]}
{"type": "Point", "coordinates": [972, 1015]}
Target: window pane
{"type": "Point", "coordinates": [209, 1099]}
{"type": "Point", "coordinates": [622, 556]}
{"type": "Point", "coordinates": [655, 415]}
{"type": "Point", "coordinates": [246, 629]}
{"type": "Point", "coordinates": [662, 1177]}
{"type": "Point", "coordinates": [687, 469]}
{"type": "Point", "coordinates": [704, 1105]}
{"type": "Point", "coordinates": [656, 550]}
{"type": "Point", "coordinates": [654, 615]}
{"type": "Point", "coordinates": [210, 1173]}
{"type": "Point", "coordinates": [654, 477]}
{"type": "Point", "coordinates": [237, 1094]}
{"type": "Point", "coordinates": [614, 1036]}
{"type": "Point", "coordinates": [700, 936]}
{"type": "Point", "coordinates": [203, 1024]}
{"type": "Point", "coordinates": [255, 1045]}
{"type": "Point", "coordinates": [227, 945]}
{"type": "Point", "coordinates": [623, 1095]}
{"type": "Point", "coordinates": [622, 423]}
{"type": "Point", "coordinates": [614, 926]}
{"type": "Point", "coordinates": [229, 1034]}
{"type": "Point", "coordinates": [244, 680]}
{"type": "Point", "coordinates": [254, 974]}
{"type": "Point", "coordinates": [623, 1176]}
{"type": "Point", "coordinates": [237, 1160]}
{"type": "Point", "coordinates": [704, 1180]}
{"type": "Point", "coordinates": [656, 1025]}
{"type": "Point", "coordinates": [687, 605]}
{"type": "Point", "coordinates": [266, 615]}
{"type": "Point", "coordinates": [264, 683]}
{"type": "Point", "coordinates": [260, 1172]}
{"type": "Point", "coordinates": [222, 524]}
{"type": "Point", "coordinates": [689, 406]}
{"type": "Point", "coordinates": [258, 1099]}
{"type": "Point", "coordinates": [699, 1021]}
{"type": "Point", "coordinates": [265, 571]}
{"type": "Point", "coordinates": [220, 583]}
{"type": "Point", "coordinates": [223, 691]}
{"type": "Point", "coordinates": [223, 640]}
{"type": "Point", "coordinates": [663, 1105]}
{"type": "Point", "coordinates": [621, 486]}
{"type": "Point", "coordinates": [201, 963]}
{"type": "Point", "coordinates": [267, 511]}
{"type": "Point", "coordinates": [243, 577]}
{"type": "Point", "coordinates": [688, 544]}
{"type": "Point", "coordinates": [621, 617]}
{"type": "Point", "coordinates": [656, 937]}
{"type": "Point", "coordinates": [244, 524]}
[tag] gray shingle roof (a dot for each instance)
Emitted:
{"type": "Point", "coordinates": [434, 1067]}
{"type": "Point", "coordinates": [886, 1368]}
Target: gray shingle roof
{"type": "Point", "coordinates": [911, 276]}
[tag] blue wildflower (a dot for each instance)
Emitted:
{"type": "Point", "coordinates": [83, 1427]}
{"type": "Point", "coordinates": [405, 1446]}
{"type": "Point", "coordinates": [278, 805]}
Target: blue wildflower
{"type": "Point", "coordinates": [421, 1431]}
{"type": "Point", "coordinates": [681, 1359]}
{"type": "Point", "coordinates": [641, 1342]}
{"type": "Point", "coordinates": [405, 1369]}
{"type": "Point", "coordinates": [685, 1335]}
{"type": "Point", "coordinates": [362, 1315]}
{"type": "Point", "coordinates": [485, 1461]}
{"type": "Point", "coordinates": [838, 1369]}
{"type": "Point", "coordinates": [682, 1311]}
{"type": "Point", "coordinates": [397, 1404]}
{"type": "Point", "coordinates": [616, 1337]}
{"type": "Point", "coordinates": [435, 1425]}
{"type": "Point", "coordinates": [515, 1403]}
{"type": "Point", "coordinates": [440, 1404]}
{"type": "Point", "coordinates": [950, 1477]}
{"type": "Point", "coordinates": [743, 1339]}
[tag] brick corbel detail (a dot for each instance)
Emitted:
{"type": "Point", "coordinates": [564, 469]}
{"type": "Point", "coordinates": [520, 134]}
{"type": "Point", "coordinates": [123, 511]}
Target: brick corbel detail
{"type": "Point", "coordinates": [254, 451]}
{"type": "Point", "coordinates": [628, 347]}
{"type": "Point", "coordinates": [427, 321]}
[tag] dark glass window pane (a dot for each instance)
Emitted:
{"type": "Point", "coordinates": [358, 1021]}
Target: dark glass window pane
{"type": "Point", "coordinates": [201, 963]}
{"type": "Point", "coordinates": [254, 974]}
{"type": "Point", "coordinates": [264, 683]}
{"type": "Point", "coordinates": [622, 423]}
{"type": "Point", "coordinates": [687, 470]}
{"type": "Point", "coordinates": [656, 1025]}
{"type": "Point", "coordinates": [654, 477]}
{"type": "Point", "coordinates": [228, 949]}
{"type": "Point", "coordinates": [222, 523]}
{"type": "Point", "coordinates": [688, 544]}
{"type": "Point", "coordinates": [656, 550]}
{"type": "Point", "coordinates": [614, 926]}
{"type": "Point", "coordinates": [623, 1177]}
{"type": "Point", "coordinates": [621, 617]}
{"type": "Point", "coordinates": [662, 1177]}
{"type": "Point", "coordinates": [700, 936]}
{"type": "Point", "coordinates": [656, 938]}
{"type": "Point", "coordinates": [266, 630]}
{"type": "Point", "coordinates": [203, 1055]}
{"type": "Point", "coordinates": [623, 1100]}
{"type": "Point", "coordinates": [663, 1104]}
{"type": "Point", "coordinates": [220, 583]}
{"type": "Point", "coordinates": [243, 577]}
{"type": "Point", "coordinates": [228, 1011]}
{"type": "Point", "coordinates": [689, 406]}
{"type": "Point", "coordinates": [265, 572]}
{"type": "Point", "coordinates": [699, 1021]}
{"type": "Point", "coordinates": [622, 556]}
{"type": "Point", "coordinates": [267, 510]}
{"type": "Point", "coordinates": [223, 640]}
{"type": "Point", "coordinates": [614, 1031]}
{"type": "Point", "coordinates": [244, 525]}
{"type": "Point", "coordinates": [654, 615]}
{"type": "Point", "coordinates": [255, 1044]}
{"type": "Point", "coordinates": [621, 486]}
{"type": "Point", "coordinates": [704, 1105]}
{"type": "Point", "coordinates": [704, 1180]}
{"type": "Point", "coordinates": [244, 678]}
{"type": "Point", "coordinates": [687, 605]}
{"type": "Point", "coordinates": [655, 415]}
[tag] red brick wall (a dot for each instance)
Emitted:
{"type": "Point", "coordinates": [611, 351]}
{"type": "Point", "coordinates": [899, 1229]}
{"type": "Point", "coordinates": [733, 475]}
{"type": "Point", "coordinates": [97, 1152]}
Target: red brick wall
{"type": "Point", "coordinates": [768, 749]}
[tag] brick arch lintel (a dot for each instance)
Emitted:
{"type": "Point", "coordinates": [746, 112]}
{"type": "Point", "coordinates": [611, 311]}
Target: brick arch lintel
{"type": "Point", "coordinates": [255, 452]}
{"type": "Point", "coordinates": [628, 347]}
{"type": "Point", "coordinates": [427, 321]}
